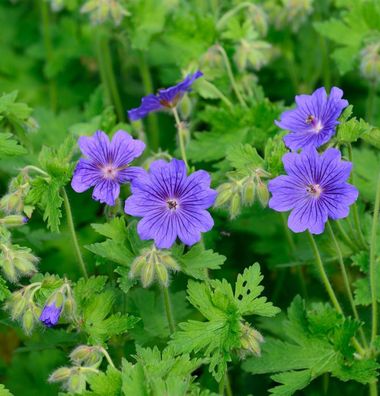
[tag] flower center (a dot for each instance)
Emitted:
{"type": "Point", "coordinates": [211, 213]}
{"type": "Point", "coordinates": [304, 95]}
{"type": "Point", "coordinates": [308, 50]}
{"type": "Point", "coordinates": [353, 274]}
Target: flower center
{"type": "Point", "coordinates": [109, 172]}
{"type": "Point", "coordinates": [314, 122]}
{"type": "Point", "coordinates": [172, 204]}
{"type": "Point", "coordinates": [315, 190]}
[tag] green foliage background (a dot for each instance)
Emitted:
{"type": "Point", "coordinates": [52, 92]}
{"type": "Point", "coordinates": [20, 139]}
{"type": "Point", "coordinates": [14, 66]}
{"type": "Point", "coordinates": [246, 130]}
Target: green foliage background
{"type": "Point", "coordinates": [63, 76]}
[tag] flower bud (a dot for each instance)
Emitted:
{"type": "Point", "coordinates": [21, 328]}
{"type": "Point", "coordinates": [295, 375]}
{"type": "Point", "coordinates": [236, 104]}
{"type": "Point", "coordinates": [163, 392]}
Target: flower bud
{"type": "Point", "coordinates": [14, 220]}
{"type": "Point", "coordinates": [185, 107]}
{"type": "Point", "coordinates": [169, 262]}
{"type": "Point", "coordinates": [60, 375]}
{"type": "Point", "coordinates": [86, 355]}
{"type": "Point", "coordinates": [137, 266]}
{"type": "Point", "coordinates": [9, 269]}
{"type": "Point", "coordinates": [250, 341]}
{"type": "Point", "coordinates": [370, 62]}
{"type": "Point", "coordinates": [263, 193]}
{"type": "Point", "coordinates": [259, 19]}
{"type": "Point", "coordinates": [69, 307]}
{"type": "Point", "coordinates": [162, 275]}
{"type": "Point", "coordinates": [76, 383]}
{"type": "Point", "coordinates": [224, 194]}
{"type": "Point", "coordinates": [235, 205]}
{"type": "Point", "coordinates": [17, 306]}
{"type": "Point", "coordinates": [147, 274]}
{"type": "Point", "coordinates": [249, 192]}
{"type": "Point", "coordinates": [17, 261]}
{"type": "Point", "coordinates": [28, 321]}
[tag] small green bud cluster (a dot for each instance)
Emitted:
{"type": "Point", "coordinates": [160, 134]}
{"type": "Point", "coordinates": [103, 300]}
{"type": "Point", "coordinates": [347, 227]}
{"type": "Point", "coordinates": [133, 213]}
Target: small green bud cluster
{"type": "Point", "coordinates": [14, 201]}
{"type": "Point", "coordinates": [153, 264]}
{"type": "Point", "coordinates": [370, 62]}
{"type": "Point", "coordinates": [101, 10]}
{"type": "Point", "coordinates": [243, 192]}
{"type": "Point", "coordinates": [85, 360]}
{"type": "Point", "coordinates": [22, 307]}
{"type": "Point", "coordinates": [16, 261]}
{"type": "Point", "coordinates": [250, 341]}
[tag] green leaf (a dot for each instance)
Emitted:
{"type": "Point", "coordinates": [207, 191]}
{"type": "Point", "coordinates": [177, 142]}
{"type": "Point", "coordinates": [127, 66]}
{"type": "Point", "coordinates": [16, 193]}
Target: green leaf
{"type": "Point", "coordinates": [9, 147]}
{"type": "Point", "coordinates": [197, 261]}
{"type": "Point", "coordinates": [351, 130]}
{"type": "Point", "coordinates": [247, 290]}
{"type": "Point", "coordinates": [291, 381]}
{"type": "Point", "coordinates": [114, 229]}
{"type": "Point", "coordinates": [86, 289]}
{"type": "Point", "coordinates": [4, 392]}
{"type": "Point", "coordinates": [112, 250]}
{"type": "Point", "coordinates": [4, 291]}
{"type": "Point", "coordinates": [106, 384]}
{"type": "Point", "coordinates": [243, 156]}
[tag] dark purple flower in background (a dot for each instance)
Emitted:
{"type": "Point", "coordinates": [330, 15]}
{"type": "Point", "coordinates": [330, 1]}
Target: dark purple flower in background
{"type": "Point", "coordinates": [106, 165]}
{"type": "Point", "coordinates": [165, 98]}
{"type": "Point", "coordinates": [314, 189]}
{"type": "Point", "coordinates": [171, 203]}
{"type": "Point", "coordinates": [313, 121]}
{"type": "Point", "coordinates": [50, 314]}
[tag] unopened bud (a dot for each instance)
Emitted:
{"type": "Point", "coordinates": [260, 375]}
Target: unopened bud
{"type": "Point", "coordinates": [86, 355]}
{"type": "Point", "coordinates": [147, 274]}
{"type": "Point", "coordinates": [185, 107]}
{"type": "Point", "coordinates": [249, 192]}
{"type": "Point", "coordinates": [9, 269]}
{"type": "Point", "coordinates": [17, 307]}
{"type": "Point", "coordinates": [28, 321]}
{"type": "Point", "coordinates": [263, 193]}
{"type": "Point", "coordinates": [250, 341]}
{"type": "Point", "coordinates": [137, 266]}
{"type": "Point", "coordinates": [235, 205]}
{"type": "Point", "coordinates": [60, 375]}
{"type": "Point", "coordinates": [169, 262]}
{"type": "Point", "coordinates": [259, 19]}
{"type": "Point", "coordinates": [69, 307]}
{"type": "Point", "coordinates": [224, 194]}
{"type": "Point", "coordinates": [162, 274]}
{"type": "Point", "coordinates": [76, 383]}
{"type": "Point", "coordinates": [370, 62]}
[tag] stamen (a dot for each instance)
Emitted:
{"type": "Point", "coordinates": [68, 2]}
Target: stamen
{"type": "Point", "coordinates": [314, 189]}
{"type": "Point", "coordinates": [172, 204]}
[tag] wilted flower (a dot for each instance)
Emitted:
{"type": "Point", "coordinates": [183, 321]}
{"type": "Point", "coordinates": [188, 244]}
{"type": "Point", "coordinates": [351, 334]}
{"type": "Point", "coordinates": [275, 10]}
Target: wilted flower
{"type": "Point", "coordinates": [106, 165]}
{"type": "Point", "coordinates": [313, 121]}
{"type": "Point", "coordinates": [314, 189]}
{"type": "Point", "coordinates": [165, 98]}
{"type": "Point", "coordinates": [370, 62]}
{"type": "Point", "coordinates": [101, 10]}
{"type": "Point", "coordinates": [171, 203]}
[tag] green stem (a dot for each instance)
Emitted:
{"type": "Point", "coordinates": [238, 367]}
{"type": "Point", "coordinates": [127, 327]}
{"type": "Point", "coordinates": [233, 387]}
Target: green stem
{"type": "Point", "coordinates": [355, 207]}
{"type": "Point", "coordinates": [49, 51]}
{"type": "Point", "coordinates": [231, 75]}
{"type": "Point", "coordinates": [154, 135]}
{"type": "Point", "coordinates": [168, 309]}
{"type": "Point", "coordinates": [328, 287]}
{"type": "Point", "coordinates": [102, 70]}
{"type": "Point", "coordinates": [346, 281]}
{"type": "Point", "coordinates": [107, 356]}
{"type": "Point", "coordinates": [70, 223]}
{"type": "Point", "coordinates": [371, 102]}
{"type": "Point", "coordinates": [293, 253]}
{"type": "Point", "coordinates": [349, 242]}
{"type": "Point", "coordinates": [222, 386]}
{"type": "Point", "coordinates": [110, 76]}
{"type": "Point", "coordinates": [373, 265]}
{"type": "Point", "coordinates": [228, 385]}
{"type": "Point", "coordinates": [323, 275]}
{"type": "Point", "coordinates": [181, 136]}
{"type": "Point", "coordinates": [373, 389]}
{"type": "Point", "coordinates": [229, 14]}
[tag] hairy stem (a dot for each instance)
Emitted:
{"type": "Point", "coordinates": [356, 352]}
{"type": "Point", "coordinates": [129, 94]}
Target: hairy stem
{"type": "Point", "coordinates": [292, 247]}
{"type": "Point", "coordinates": [154, 133]}
{"type": "Point", "coordinates": [328, 287]}
{"type": "Point", "coordinates": [373, 389]}
{"type": "Point", "coordinates": [70, 223]}
{"type": "Point", "coordinates": [168, 309]}
{"type": "Point", "coordinates": [355, 207]}
{"type": "Point", "coordinates": [231, 75]}
{"type": "Point", "coordinates": [110, 76]}
{"type": "Point", "coordinates": [371, 101]}
{"type": "Point", "coordinates": [181, 136]}
{"type": "Point", "coordinates": [373, 265]}
{"type": "Point", "coordinates": [107, 356]}
{"type": "Point", "coordinates": [346, 281]}
{"type": "Point", "coordinates": [349, 242]}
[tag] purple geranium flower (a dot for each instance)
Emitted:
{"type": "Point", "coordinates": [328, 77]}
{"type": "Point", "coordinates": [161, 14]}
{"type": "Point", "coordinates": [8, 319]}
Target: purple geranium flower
{"type": "Point", "coordinates": [313, 121]}
{"type": "Point", "coordinates": [50, 314]}
{"type": "Point", "coordinates": [106, 165]}
{"type": "Point", "coordinates": [315, 189]}
{"type": "Point", "coordinates": [171, 203]}
{"type": "Point", "coordinates": [165, 98]}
